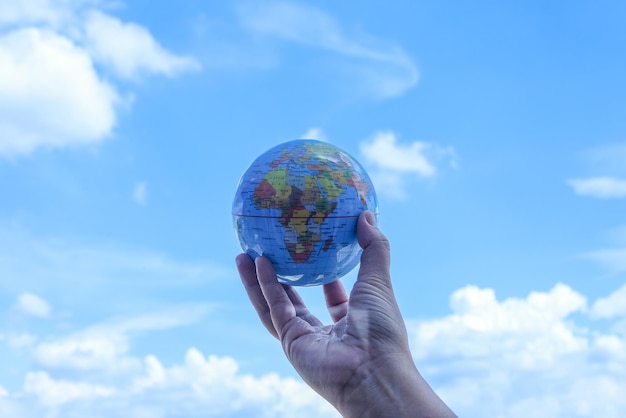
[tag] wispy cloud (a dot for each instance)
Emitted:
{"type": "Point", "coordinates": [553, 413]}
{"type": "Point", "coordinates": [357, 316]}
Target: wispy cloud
{"type": "Point", "coordinates": [140, 193]}
{"type": "Point", "coordinates": [105, 346]}
{"type": "Point", "coordinates": [52, 92]}
{"type": "Point", "coordinates": [314, 133]}
{"type": "Point", "coordinates": [395, 164]}
{"type": "Point", "coordinates": [380, 68]}
{"type": "Point", "coordinates": [608, 158]}
{"type": "Point", "coordinates": [600, 187]}
{"type": "Point", "coordinates": [33, 305]}
{"type": "Point", "coordinates": [613, 259]}
{"type": "Point", "coordinates": [100, 276]}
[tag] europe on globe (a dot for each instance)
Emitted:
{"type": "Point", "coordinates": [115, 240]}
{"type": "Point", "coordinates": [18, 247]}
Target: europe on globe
{"type": "Point", "coordinates": [298, 204]}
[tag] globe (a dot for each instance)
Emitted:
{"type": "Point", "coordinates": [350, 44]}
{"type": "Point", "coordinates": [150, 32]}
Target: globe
{"type": "Point", "coordinates": [298, 205]}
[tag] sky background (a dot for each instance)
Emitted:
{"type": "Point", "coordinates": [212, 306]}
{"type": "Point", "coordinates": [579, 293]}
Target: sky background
{"type": "Point", "coordinates": [495, 133]}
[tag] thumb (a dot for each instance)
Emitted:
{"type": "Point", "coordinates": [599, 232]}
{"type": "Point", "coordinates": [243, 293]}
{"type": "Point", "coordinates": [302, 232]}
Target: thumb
{"type": "Point", "coordinates": [375, 259]}
{"type": "Point", "coordinates": [372, 300]}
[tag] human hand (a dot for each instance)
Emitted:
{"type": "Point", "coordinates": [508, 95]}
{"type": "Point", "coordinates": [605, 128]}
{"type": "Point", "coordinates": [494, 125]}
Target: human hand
{"type": "Point", "coordinates": [361, 363]}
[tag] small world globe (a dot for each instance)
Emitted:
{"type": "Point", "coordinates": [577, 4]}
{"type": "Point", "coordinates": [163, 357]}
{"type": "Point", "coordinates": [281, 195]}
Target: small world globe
{"type": "Point", "coordinates": [298, 205]}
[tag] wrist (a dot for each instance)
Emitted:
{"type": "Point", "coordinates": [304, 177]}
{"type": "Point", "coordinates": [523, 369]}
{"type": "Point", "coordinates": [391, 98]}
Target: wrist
{"type": "Point", "coordinates": [391, 387]}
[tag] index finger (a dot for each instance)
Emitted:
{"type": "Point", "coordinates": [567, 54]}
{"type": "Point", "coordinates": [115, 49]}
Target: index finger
{"type": "Point", "coordinates": [247, 272]}
{"type": "Point", "coordinates": [280, 305]}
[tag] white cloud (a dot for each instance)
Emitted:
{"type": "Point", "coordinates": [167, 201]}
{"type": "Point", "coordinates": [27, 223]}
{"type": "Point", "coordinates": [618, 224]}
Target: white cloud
{"type": "Point", "coordinates": [34, 305]}
{"type": "Point", "coordinates": [600, 187]}
{"type": "Point", "coordinates": [52, 95]}
{"type": "Point", "coordinates": [84, 351]}
{"type": "Point", "coordinates": [611, 306]}
{"type": "Point", "coordinates": [129, 49]}
{"type": "Point", "coordinates": [523, 357]}
{"type": "Point", "coordinates": [535, 323]}
{"type": "Point", "coordinates": [101, 373]}
{"type": "Point", "coordinates": [209, 386]}
{"type": "Point", "coordinates": [52, 392]}
{"type": "Point", "coordinates": [515, 357]}
{"type": "Point", "coordinates": [140, 193]}
{"type": "Point", "coordinates": [216, 385]}
{"type": "Point", "coordinates": [394, 164]}
{"type": "Point", "coordinates": [382, 69]}
{"type": "Point", "coordinates": [95, 372]}
{"type": "Point", "coordinates": [386, 153]}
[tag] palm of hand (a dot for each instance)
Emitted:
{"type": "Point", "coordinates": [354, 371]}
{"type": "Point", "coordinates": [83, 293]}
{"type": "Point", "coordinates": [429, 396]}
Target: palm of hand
{"type": "Point", "coordinates": [332, 359]}
{"type": "Point", "coordinates": [325, 356]}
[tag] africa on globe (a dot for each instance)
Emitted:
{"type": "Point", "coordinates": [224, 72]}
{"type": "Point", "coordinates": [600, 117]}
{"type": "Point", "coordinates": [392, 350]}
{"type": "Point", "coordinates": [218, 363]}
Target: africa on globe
{"type": "Point", "coordinates": [298, 205]}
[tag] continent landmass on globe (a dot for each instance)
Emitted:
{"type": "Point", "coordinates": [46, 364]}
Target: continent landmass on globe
{"type": "Point", "coordinates": [306, 201]}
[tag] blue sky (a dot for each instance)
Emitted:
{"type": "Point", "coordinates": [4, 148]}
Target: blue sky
{"type": "Point", "coordinates": [494, 133]}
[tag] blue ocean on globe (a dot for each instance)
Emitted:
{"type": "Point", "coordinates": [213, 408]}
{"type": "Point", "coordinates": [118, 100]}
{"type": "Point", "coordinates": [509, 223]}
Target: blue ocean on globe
{"type": "Point", "coordinates": [298, 205]}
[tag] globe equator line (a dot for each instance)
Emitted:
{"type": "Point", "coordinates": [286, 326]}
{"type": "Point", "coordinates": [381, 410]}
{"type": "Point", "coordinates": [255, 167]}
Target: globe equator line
{"type": "Point", "coordinates": [297, 217]}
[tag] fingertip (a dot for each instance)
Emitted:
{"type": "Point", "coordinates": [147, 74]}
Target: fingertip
{"type": "Point", "coordinates": [375, 258]}
{"type": "Point", "coordinates": [336, 300]}
{"type": "Point", "coordinates": [369, 218]}
{"type": "Point", "coordinates": [260, 261]}
{"type": "Point", "coordinates": [246, 269]}
{"type": "Point", "coordinates": [367, 229]}
{"type": "Point", "coordinates": [242, 259]}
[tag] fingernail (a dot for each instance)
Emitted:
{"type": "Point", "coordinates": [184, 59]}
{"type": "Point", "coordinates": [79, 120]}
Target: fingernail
{"type": "Point", "coordinates": [370, 218]}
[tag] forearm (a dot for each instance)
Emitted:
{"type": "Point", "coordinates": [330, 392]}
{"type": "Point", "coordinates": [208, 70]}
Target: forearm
{"type": "Point", "coordinates": [391, 389]}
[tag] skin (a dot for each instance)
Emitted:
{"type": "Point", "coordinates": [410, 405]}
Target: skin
{"type": "Point", "coordinates": [361, 363]}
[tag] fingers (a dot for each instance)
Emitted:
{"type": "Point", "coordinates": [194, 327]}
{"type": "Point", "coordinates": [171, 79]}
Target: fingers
{"type": "Point", "coordinates": [247, 272]}
{"type": "Point", "coordinates": [282, 309]}
{"type": "Point", "coordinates": [301, 310]}
{"type": "Point", "coordinates": [252, 274]}
{"type": "Point", "coordinates": [336, 300]}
